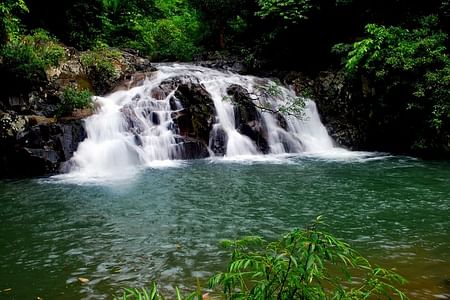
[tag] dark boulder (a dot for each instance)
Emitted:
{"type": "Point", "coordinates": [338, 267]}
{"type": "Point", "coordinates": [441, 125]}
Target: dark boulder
{"type": "Point", "coordinates": [335, 99]}
{"type": "Point", "coordinates": [218, 141]}
{"type": "Point", "coordinates": [191, 149]}
{"type": "Point", "coordinates": [35, 145]}
{"type": "Point", "coordinates": [247, 118]}
{"type": "Point", "coordinates": [197, 117]}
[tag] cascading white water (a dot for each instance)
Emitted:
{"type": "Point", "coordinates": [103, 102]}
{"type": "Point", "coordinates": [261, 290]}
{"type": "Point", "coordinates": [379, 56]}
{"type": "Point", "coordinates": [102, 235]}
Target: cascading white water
{"type": "Point", "coordinates": [136, 127]}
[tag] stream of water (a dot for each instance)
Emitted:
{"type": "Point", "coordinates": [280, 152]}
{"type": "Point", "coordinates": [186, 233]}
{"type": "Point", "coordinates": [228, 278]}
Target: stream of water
{"type": "Point", "coordinates": [131, 212]}
{"type": "Point", "coordinates": [165, 224]}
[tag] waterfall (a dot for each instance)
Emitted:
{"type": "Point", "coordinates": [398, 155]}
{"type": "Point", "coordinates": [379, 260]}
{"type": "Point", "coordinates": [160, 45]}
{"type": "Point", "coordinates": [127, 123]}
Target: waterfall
{"type": "Point", "coordinates": [186, 111]}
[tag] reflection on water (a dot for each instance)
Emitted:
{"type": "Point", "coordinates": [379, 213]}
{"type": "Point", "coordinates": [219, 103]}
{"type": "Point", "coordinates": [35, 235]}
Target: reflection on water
{"type": "Point", "coordinates": [165, 223]}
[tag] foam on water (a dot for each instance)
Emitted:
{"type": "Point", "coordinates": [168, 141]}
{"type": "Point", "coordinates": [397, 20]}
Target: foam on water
{"type": "Point", "coordinates": [133, 130]}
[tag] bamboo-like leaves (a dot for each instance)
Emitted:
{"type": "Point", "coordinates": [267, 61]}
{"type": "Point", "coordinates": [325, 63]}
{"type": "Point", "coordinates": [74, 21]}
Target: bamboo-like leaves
{"type": "Point", "coordinates": [304, 264]}
{"type": "Point", "coordinates": [299, 266]}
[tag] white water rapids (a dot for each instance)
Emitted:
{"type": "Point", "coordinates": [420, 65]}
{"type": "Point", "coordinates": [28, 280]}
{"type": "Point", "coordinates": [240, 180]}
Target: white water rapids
{"type": "Point", "coordinates": [114, 145]}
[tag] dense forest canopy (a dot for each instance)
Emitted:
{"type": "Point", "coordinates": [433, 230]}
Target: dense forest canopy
{"type": "Point", "coordinates": [399, 48]}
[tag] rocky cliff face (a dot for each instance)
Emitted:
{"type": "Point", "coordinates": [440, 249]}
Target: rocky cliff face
{"type": "Point", "coordinates": [32, 140]}
{"type": "Point", "coordinates": [337, 101]}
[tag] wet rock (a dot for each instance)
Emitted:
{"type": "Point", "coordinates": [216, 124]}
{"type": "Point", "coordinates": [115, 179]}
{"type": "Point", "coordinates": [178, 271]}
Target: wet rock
{"type": "Point", "coordinates": [11, 124]}
{"type": "Point", "coordinates": [281, 121]}
{"type": "Point", "coordinates": [133, 123]}
{"type": "Point", "coordinates": [234, 66]}
{"type": "Point", "coordinates": [40, 147]}
{"type": "Point", "coordinates": [192, 149]}
{"type": "Point", "coordinates": [335, 99]}
{"type": "Point", "coordinates": [71, 134]}
{"type": "Point", "coordinates": [196, 119]}
{"type": "Point", "coordinates": [245, 110]}
{"type": "Point", "coordinates": [218, 141]}
{"type": "Point", "coordinates": [247, 118]}
{"type": "Point", "coordinates": [32, 141]}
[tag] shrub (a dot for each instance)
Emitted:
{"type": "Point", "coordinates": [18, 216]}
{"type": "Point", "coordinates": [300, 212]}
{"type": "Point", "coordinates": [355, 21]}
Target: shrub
{"type": "Point", "coordinates": [9, 22]}
{"type": "Point", "coordinates": [73, 98]}
{"type": "Point", "coordinates": [304, 264]}
{"type": "Point", "coordinates": [28, 57]}
{"type": "Point", "coordinates": [99, 67]}
{"type": "Point", "coordinates": [173, 35]}
{"type": "Point", "coordinates": [409, 69]}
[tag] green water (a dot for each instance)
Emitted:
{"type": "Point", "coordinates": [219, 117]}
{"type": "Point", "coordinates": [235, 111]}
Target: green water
{"type": "Point", "coordinates": [165, 224]}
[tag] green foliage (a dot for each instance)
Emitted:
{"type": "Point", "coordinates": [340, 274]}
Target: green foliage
{"type": "Point", "coordinates": [228, 22]}
{"type": "Point", "coordinates": [9, 22]}
{"type": "Point", "coordinates": [99, 66]}
{"type": "Point", "coordinates": [171, 38]}
{"type": "Point", "coordinates": [100, 60]}
{"type": "Point", "coordinates": [173, 33]}
{"type": "Point", "coordinates": [294, 105]}
{"type": "Point", "coordinates": [289, 11]}
{"type": "Point", "coordinates": [28, 57]}
{"type": "Point", "coordinates": [153, 294]}
{"type": "Point", "coordinates": [73, 98]}
{"type": "Point", "coordinates": [303, 264]}
{"type": "Point", "coordinates": [412, 68]}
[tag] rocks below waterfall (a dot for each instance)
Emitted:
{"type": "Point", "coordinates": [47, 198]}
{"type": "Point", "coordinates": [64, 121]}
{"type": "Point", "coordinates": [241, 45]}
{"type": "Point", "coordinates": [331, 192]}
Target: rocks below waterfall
{"type": "Point", "coordinates": [247, 119]}
{"type": "Point", "coordinates": [32, 140]}
{"type": "Point", "coordinates": [35, 145]}
{"type": "Point", "coordinates": [338, 106]}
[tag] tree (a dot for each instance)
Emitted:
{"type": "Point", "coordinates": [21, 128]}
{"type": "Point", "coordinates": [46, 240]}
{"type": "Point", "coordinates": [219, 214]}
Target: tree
{"type": "Point", "coordinates": [288, 11]}
{"type": "Point", "coordinates": [225, 17]}
{"type": "Point", "coordinates": [409, 70]}
{"type": "Point", "coordinates": [10, 24]}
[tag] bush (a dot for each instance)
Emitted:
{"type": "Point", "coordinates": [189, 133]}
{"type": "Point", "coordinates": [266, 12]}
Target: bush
{"type": "Point", "coordinates": [9, 22]}
{"type": "Point", "coordinates": [304, 264]}
{"type": "Point", "coordinates": [174, 34]}
{"type": "Point", "coordinates": [73, 98]}
{"type": "Point", "coordinates": [29, 56]}
{"type": "Point", "coordinates": [99, 67]}
{"type": "Point", "coordinates": [409, 70]}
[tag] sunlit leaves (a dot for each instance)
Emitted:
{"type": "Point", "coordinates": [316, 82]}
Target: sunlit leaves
{"type": "Point", "coordinates": [414, 60]}
{"type": "Point", "coordinates": [290, 11]}
{"type": "Point", "coordinates": [9, 22]}
{"type": "Point", "coordinates": [303, 264]}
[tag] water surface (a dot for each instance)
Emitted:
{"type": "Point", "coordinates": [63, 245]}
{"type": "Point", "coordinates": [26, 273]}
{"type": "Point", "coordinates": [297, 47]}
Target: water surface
{"type": "Point", "coordinates": [164, 224]}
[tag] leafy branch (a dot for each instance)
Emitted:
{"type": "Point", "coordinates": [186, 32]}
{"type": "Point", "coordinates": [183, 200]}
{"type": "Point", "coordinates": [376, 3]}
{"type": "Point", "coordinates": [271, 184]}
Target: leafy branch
{"type": "Point", "coordinates": [302, 264]}
{"type": "Point", "coordinates": [271, 98]}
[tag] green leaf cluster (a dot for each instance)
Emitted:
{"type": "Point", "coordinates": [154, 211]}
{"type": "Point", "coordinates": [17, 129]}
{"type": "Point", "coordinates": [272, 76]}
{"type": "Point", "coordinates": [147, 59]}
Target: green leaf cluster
{"type": "Point", "coordinates": [99, 66]}
{"type": "Point", "coordinates": [303, 264]}
{"type": "Point", "coordinates": [172, 31]}
{"type": "Point", "coordinates": [411, 68]}
{"type": "Point", "coordinates": [152, 293]}
{"type": "Point", "coordinates": [27, 57]}
{"type": "Point", "coordinates": [10, 25]}
{"type": "Point", "coordinates": [290, 11]}
{"type": "Point", "coordinates": [307, 264]}
{"type": "Point", "coordinates": [293, 106]}
{"type": "Point", "coordinates": [73, 98]}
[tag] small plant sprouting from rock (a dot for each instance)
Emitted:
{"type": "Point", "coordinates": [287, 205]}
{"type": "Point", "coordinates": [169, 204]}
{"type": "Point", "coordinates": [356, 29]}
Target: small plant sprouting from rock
{"type": "Point", "coordinates": [288, 105]}
{"type": "Point", "coordinates": [73, 98]}
{"type": "Point", "coordinates": [99, 67]}
{"type": "Point", "coordinates": [306, 264]}
{"type": "Point", "coordinates": [292, 105]}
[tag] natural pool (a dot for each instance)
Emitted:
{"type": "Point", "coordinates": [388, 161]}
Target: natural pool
{"type": "Point", "coordinates": [164, 224]}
